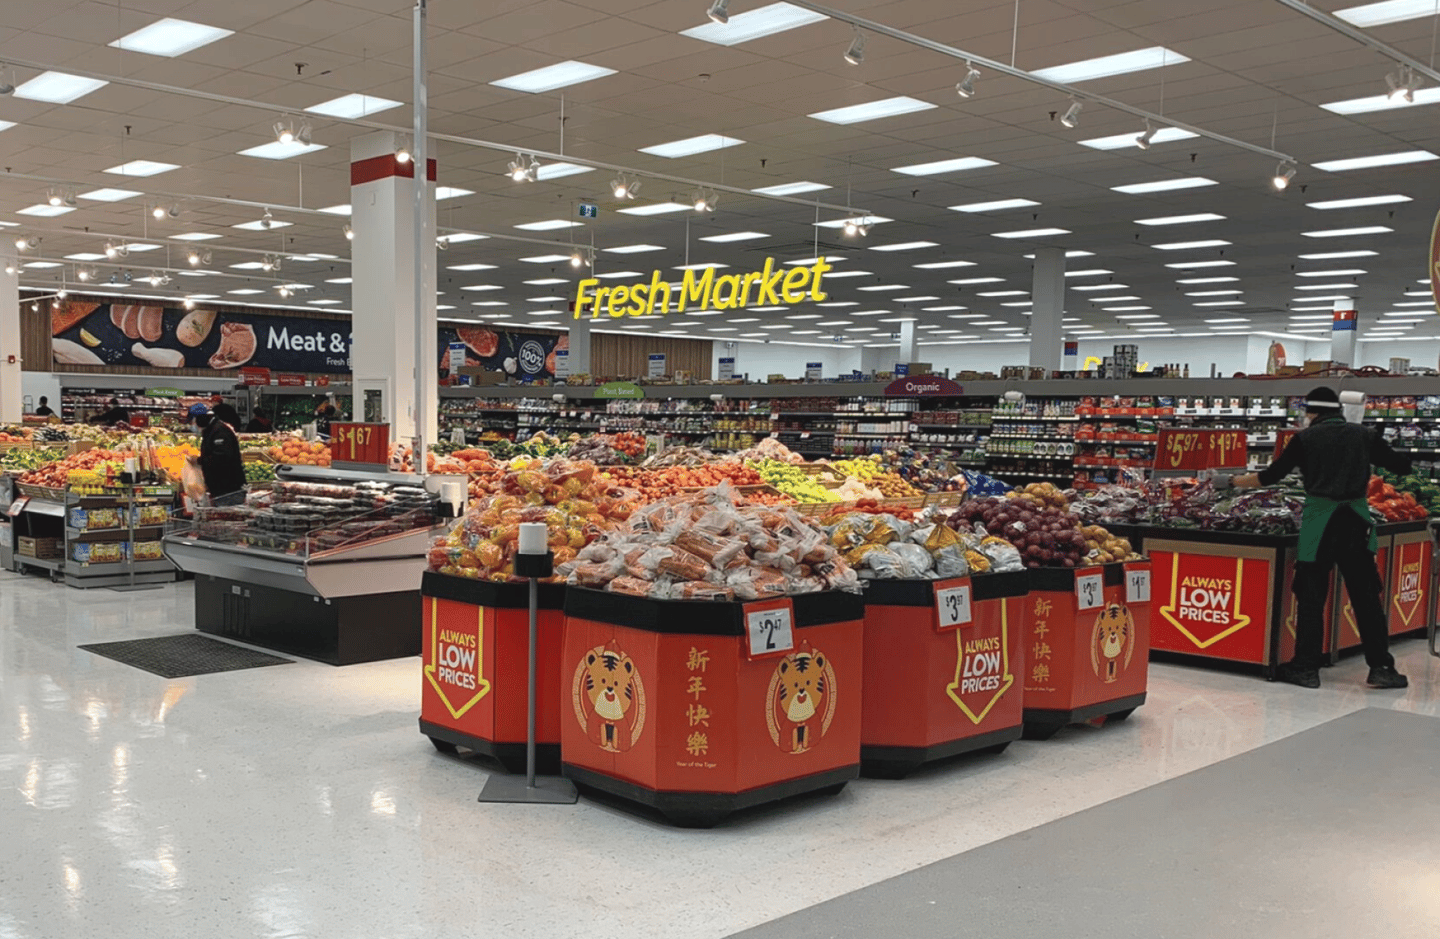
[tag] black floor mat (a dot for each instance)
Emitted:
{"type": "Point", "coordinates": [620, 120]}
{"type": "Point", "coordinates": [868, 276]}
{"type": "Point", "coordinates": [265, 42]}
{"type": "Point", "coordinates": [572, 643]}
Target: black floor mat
{"type": "Point", "coordinates": [184, 655]}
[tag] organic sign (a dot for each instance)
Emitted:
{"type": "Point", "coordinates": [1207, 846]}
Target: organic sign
{"type": "Point", "coordinates": [932, 386]}
{"type": "Point", "coordinates": [702, 290]}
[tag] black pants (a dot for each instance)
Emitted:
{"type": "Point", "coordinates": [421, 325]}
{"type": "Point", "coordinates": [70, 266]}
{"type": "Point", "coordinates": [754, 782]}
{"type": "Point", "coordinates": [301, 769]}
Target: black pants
{"type": "Point", "coordinates": [1346, 545]}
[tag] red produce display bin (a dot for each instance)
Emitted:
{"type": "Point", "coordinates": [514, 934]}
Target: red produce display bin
{"type": "Point", "coordinates": [1404, 557]}
{"type": "Point", "coordinates": [475, 658]}
{"type": "Point", "coordinates": [1087, 645]}
{"type": "Point", "coordinates": [944, 672]}
{"type": "Point", "coordinates": [698, 709]}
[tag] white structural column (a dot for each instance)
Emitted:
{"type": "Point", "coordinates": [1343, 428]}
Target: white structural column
{"type": "Point", "coordinates": [382, 293]}
{"type": "Point", "coordinates": [907, 344]}
{"type": "Point", "coordinates": [1342, 332]}
{"type": "Point", "coordinates": [1047, 308]}
{"type": "Point", "coordinates": [579, 346]}
{"type": "Point", "coordinates": [11, 406]}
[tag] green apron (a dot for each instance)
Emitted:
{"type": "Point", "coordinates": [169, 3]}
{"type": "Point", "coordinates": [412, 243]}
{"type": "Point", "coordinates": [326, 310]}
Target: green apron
{"type": "Point", "coordinates": [1316, 516]}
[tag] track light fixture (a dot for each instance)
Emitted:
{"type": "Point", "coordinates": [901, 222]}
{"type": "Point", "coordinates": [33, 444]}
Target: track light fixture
{"type": "Point", "coordinates": [719, 12]}
{"type": "Point", "coordinates": [1403, 83]}
{"type": "Point", "coordinates": [966, 88]}
{"type": "Point", "coordinates": [267, 220]}
{"type": "Point", "coordinates": [10, 267]}
{"type": "Point", "coordinates": [855, 55]}
{"type": "Point", "coordinates": [576, 259]}
{"type": "Point", "coordinates": [284, 291]}
{"type": "Point", "coordinates": [69, 198]}
{"type": "Point", "coordinates": [1145, 139]}
{"type": "Point", "coordinates": [62, 293]}
{"type": "Point", "coordinates": [1284, 172]}
{"type": "Point", "coordinates": [623, 187]}
{"type": "Point", "coordinates": [82, 274]}
{"type": "Point", "coordinates": [158, 212]}
{"type": "Point", "coordinates": [442, 244]}
{"type": "Point", "coordinates": [189, 303]}
{"type": "Point", "coordinates": [284, 130]}
{"type": "Point", "coordinates": [24, 243]}
{"type": "Point", "coordinates": [523, 172]}
{"type": "Point", "coordinates": [7, 81]}
{"type": "Point", "coordinates": [857, 226]}
{"type": "Point", "coordinates": [303, 134]}
{"type": "Point", "coordinates": [1071, 117]}
{"type": "Point", "coordinates": [35, 307]}
{"type": "Point", "coordinates": [705, 200]}
{"type": "Point", "coordinates": [157, 279]}
{"type": "Point", "coordinates": [193, 257]}
{"type": "Point", "coordinates": [349, 233]}
{"type": "Point", "coordinates": [55, 198]}
{"type": "Point", "coordinates": [402, 153]}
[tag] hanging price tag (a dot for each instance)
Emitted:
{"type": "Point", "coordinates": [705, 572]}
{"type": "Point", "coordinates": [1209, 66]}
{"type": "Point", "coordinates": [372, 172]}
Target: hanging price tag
{"type": "Point", "coordinates": [770, 627]}
{"type": "Point", "coordinates": [18, 506]}
{"type": "Point", "coordinates": [952, 604]}
{"type": "Point", "coordinates": [1137, 586]}
{"type": "Point", "coordinates": [1090, 591]}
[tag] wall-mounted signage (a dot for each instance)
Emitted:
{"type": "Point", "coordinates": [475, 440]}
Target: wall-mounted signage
{"type": "Point", "coordinates": [923, 386]}
{"type": "Point", "coordinates": [703, 290]}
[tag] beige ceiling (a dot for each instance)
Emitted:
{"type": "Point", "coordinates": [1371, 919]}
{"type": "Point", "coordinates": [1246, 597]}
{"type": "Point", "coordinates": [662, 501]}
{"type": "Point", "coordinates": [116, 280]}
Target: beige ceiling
{"type": "Point", "coordinates": [1255, 65]}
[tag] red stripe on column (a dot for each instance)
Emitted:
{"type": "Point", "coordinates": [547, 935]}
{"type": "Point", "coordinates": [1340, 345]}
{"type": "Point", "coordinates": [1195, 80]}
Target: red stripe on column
{"type": "Point", "coordinates": [384, 167]}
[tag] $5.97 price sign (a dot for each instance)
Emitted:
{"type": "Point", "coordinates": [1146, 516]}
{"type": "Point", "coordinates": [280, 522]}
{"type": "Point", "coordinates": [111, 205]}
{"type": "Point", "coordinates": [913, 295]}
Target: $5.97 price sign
{"type": "Point", "coordinates": [360, 443]}
{"type": "Point", "coordinates": [1179, 449]}
{"type": "Point", "coordinates": [770, 627]}
{"type": "Point", "coordinates": [952, 604]}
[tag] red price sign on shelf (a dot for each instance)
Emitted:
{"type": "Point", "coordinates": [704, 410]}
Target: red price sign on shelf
{"type": "Point", "coordinates": [1282, 440]}
{"type": "Point", "coordinates": [360, 443]}
{"type": "Point", "coordinates": [1182, 449]}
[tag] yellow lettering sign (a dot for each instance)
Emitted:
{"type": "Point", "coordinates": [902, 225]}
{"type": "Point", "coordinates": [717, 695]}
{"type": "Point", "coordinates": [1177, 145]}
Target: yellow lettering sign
{"type": "Point", "coordinates": [702, 290]}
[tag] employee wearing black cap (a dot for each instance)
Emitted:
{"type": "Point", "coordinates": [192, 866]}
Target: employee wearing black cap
{"type": "Point", "coordinates": [1334, 458]}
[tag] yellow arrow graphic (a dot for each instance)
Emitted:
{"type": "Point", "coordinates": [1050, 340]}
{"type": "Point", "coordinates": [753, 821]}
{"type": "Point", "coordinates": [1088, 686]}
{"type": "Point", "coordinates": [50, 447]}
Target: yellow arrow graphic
{"type": "Point", "coordinates": [952, 688]}
{"type": "Point", "coordinates": [1240, 620]}
{"type": "Point", "coordinates": [482, 686]}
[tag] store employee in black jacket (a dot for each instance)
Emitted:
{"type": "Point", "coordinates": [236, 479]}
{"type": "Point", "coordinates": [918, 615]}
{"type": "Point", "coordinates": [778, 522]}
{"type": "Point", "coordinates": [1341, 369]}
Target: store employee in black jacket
{"type": "Point", "coordinates": [1334, 458]}
{"type": "Point", "coordinates": [220, 461]}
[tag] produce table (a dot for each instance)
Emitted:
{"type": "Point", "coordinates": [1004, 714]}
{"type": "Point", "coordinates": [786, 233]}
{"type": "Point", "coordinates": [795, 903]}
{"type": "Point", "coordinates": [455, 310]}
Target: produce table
{"type": "Point", "coordinates": [1087, 642]}
{"type": "Point", "coordinates": [1405, 557]}
{"type": "Point", "coordinates": [698, 709]}
{"type": "Point", "coordinates": [941, 670]}
{"type": "Point", "coordinates": [475, 645]}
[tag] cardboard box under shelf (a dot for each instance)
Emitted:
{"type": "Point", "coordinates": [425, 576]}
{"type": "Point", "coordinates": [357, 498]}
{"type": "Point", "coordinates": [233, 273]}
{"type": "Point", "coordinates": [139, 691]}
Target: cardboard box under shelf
{"type": "Point", "coordinates": [42, 549]}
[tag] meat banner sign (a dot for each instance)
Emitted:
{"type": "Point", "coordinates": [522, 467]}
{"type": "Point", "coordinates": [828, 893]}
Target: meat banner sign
{"type": "Point", "coordinates": [102, 334]}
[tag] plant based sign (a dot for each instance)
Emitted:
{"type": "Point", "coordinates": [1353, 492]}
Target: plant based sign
{"type": "Point", "coordinates": [703, 290]}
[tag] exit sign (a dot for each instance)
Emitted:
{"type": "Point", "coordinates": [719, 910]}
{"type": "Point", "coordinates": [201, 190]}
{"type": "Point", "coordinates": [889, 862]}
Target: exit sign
{"type": "Point", "coordinates": [360, 443]}
{"type": "Point", "coordinates": [589, 211]}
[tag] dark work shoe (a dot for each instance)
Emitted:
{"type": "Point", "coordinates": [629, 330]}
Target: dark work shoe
{"type": "Point", "coordinates": [1304, 677]}
{"type": "Point", "coordinates": [1386, 677]}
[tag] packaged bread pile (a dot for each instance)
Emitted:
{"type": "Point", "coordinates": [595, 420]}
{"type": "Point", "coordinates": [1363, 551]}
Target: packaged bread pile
{"type": "Point", "coordinates": [884, 547]}
{"type": "Point", "coordinates": [569, 497]}
{"type": "Point", "coordinates": [712, 545]}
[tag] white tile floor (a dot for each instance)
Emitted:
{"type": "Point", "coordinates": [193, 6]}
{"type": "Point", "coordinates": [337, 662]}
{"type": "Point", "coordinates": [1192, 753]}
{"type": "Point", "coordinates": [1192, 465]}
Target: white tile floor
{"type": "Point", "coordinates": [301, 800]}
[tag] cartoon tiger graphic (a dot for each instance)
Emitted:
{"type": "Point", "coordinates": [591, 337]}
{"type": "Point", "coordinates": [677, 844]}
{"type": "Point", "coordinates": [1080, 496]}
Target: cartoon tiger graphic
{"type": "Point", "coordinates": [801, 700]}
{"type": "Point", "coordinates": [609, 698]}
{"type": "Point", "coordinates": [1114, 637]}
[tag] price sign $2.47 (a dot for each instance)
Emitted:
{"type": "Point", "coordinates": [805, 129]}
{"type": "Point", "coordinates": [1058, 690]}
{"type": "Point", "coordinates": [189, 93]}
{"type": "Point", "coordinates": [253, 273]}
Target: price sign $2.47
{"type": "Point", "coordinates": [770, 631]}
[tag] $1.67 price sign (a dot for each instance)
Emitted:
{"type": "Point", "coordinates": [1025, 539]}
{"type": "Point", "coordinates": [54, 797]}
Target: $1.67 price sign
{"type": "Point", "coordinates": [1090, 591]}
{"type": "Point", "coordinates": [952, 604]}
{"type": "Point", "coordinates": [770, 627]}
{"type": "Point", "coordinates": [360, 443]}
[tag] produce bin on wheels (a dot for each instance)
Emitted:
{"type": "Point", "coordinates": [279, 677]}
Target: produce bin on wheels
{"type": "Point", "coordinates": [700, 708]}
{"type": "Point", "coordinates": [1087, 644]}
{"type": "Point", "coordinates": [474, 685]}
{"type": "Point", "coordinates": [944, 669]}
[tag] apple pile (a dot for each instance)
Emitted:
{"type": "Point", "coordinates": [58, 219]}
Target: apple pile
{"type": "Point", "coordinates": [1037, 520]}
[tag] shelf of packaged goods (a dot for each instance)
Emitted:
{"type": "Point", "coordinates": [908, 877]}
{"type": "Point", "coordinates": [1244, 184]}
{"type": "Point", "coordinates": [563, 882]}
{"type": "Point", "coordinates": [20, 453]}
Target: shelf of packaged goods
{"type": "Point", "coordinates": [129, 407]}
{"type": "Point", "coordinates": [1415, 449]}
{"type": "Point", "coordinates": [1402, 420]}
{"type": "Point", "coordinates": [1030, 456]}
{"type": "Point", "coordinates": [118, 568]}
{"type": "Point", "coordinates": [852, 415]}
{"type": "Point", "coordinates": [1132, 465]}
{"type": "Point", "coordinates": [1097, 441]}
{"type": "Point", "coordinates": [147, 532]}
{"type": "Point", "coordinates": [803, 413]}
{"type": "Point", "coordinates": [869, 436]}
{"type": "Point", "coordinates": [1027, 417]}
{"type": "Point", "coordinates": [1032, 437]}
{"type": "Point", "coordinates": [952, 426]}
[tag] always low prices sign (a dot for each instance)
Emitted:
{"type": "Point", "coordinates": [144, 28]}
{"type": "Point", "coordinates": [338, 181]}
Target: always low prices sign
{"type": "Point", "coordinates": [1211, 605]}
{"type": "Point", "coordinates": [773, 285]}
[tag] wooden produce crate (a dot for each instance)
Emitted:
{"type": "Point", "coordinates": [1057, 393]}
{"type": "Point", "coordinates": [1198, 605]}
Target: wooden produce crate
{"type": "Point", "coordinates": [6, 445]}
{"type": "Point", "coordinates": [41, 549]}
{"type": "Point", "coordinates": [41, 492]}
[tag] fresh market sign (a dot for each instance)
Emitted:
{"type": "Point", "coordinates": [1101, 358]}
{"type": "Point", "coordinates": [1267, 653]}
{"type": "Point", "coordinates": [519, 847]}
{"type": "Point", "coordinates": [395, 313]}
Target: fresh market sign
{"type": "Point", "coordinates": [702, 290]}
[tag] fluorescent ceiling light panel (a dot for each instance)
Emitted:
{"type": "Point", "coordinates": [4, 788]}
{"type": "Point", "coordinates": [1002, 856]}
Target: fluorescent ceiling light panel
{"type": "Point", "coordinates": [1164, 185]}
{"type": "Point", "coordinates": [659, 208]}
{"type": "Point", "coordinates": [1134, 316]}
{"type": "Point", "coordinates": [1002, 293]}
{"type": "Point", "coordinates": [248, 266]}
{"type": "Point", "coordinates": [1111, 299]}
{"type": "Point", "coordinates": [834, 274]}
{"type": "Point", "coordinates": [452, 192]}
{"type": "Point", "coordinates": [1230, 320]}
{"type": "Point", "coordinates": [333, 302]}
{"type": "Point", "coordinates": [471, 267]}
{"type": "Point", "coordinates": [480, 288]}
{"type": "Point", "coordinates": [905, 246]}
{"type": "Point", "coordinates": [340, 280]}
{"type": "Point", "coordinates": [700, 266]}
{"type": "Point", "coordinates": [1187, 245]}
{"type": "Point", "coordinates": [1121, 141]}
{"type": "Point", "coordinates": [195, 236]}
{"type": "Point", "coordinates": [735, 236]}
{"type": "Point", "coordinates": [1347, 232]}
{"type": "Point", "coordinates": [1386, 12]}
{"type": "Point", "coordinates": [941, 265]}
{"type": "Point", "coordinates": [862, 219]}
{"type": "Point", "coordinates": [456, 238]}
{"type": "Point", "coordinates": [874, 110]}
{"type": "Point", "coordinates": [1089, 272]}
{"type": "Point", "coordinates": [940, 166]}
{"type": "Point", "coordinates": [995, 206]}
{"type": "Point", "coordinates": [245, 292]}
{"type": "Point", "coordinates": [692, 145]}
{"type": "Point", "coordinates": [343, 209]}
{"type": "Point", "coordinates": [630, 249]}
{"type": "Point", "coordinates": [551, 77]}
{"type": "Point", "coordinates": [1360, 202]}
{"type": "Point", "coordinates": [1214, 293]}
{"type": "Point", "coordinates": [45, 210]}
{"type": "Point", "coordinates": [1180, 219]}
{"type": "Point", "coordinates": [561, 170]}
{"type": "Point", "coordinates": [1383, 102]}
{"type": "Point", "coordinates": [790, 189]}
{"type": "Point", "coordinates": [884, 287]}
{"type": "Point", "coordinates": [58, 87]}
{"type": "Point", "coordinates": [143, 168]}
{"type": "Point", "coordinates": [275, 150]}
{"type": "Point", "coordinates": [1122, 63]}
{"type": "Point", "coordinates": [85, 256]}
{"type": "Point", "coordinates": [141, 246]}
{"type": "Point", "coordinates": [353, 106]}
{"type": "Point", "coordinates": [754, 24]}
{"type": "Point", "coordinates": [547, 281]}
{"type": "Point", "coordinates": [1085, 287]}
{"type": "Point", "coordinates": [1193, 265]}
{"type": "Point", "coordinates": [806, 262]}
{"type": "Point", "coordinates": [1204, 280]}
{"type": "Point", "coordinates": [39, 265]}
{"type": "Point", "coordinates": [110, 195]}
{"type": "Point", "coordinates": [171, 37]}
{"type": "Point", "coordinates": [258, 225]}
{"type": "Point", "coordinates": [1383, 159]}
{"type": "Point", "coordinates": [976, 280]}
{"type": "Point", "coordinates": [915, 299]}
{"type": "Point", "coordinates": [544, 299]}
{"type": "Point", "coordinates": [549, 225]}
{"type": "Point", "coordinates": [1348, 272]}
{"type": "Point", "coordinates": [1031, 233]}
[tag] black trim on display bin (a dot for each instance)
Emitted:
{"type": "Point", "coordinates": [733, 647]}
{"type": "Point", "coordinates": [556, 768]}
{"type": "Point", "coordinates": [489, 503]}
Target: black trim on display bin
{"type": "Point", "coordinates": [703, 617]}
{"type": "Point", "coordinates": [898, 762]}
{"type": "Point", "coordinates": [1043, 723]}
{"type": "Point", "coordinates": [488, 593]}
{"type": "Point", "coordinates": [510, 756]}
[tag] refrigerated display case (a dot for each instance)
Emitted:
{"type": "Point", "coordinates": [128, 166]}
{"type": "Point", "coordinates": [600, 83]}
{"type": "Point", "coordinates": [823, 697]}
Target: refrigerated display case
{"type": "Point", "coordinates": [326, 564]}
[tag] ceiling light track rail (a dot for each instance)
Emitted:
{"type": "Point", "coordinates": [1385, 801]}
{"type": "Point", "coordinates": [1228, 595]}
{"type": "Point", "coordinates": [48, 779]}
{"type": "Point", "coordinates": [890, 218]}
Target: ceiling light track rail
{"type": "Point", "coordinates": [1360, 36]}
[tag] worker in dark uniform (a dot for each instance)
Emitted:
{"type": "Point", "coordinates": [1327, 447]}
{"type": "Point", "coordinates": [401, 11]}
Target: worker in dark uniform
{"type": "Point", "coordinates": [116, 414]}
{"type": "Point", "coordinates": [44, 409]}
{"type": "Point", "coordinates": [225, 412]}
{"type": "Point", "coordinates": [219, 461]}
{"type": "Point", "coordinates": [325, 412]}
{"type": "Point", "coordinates": [1334, 458]}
